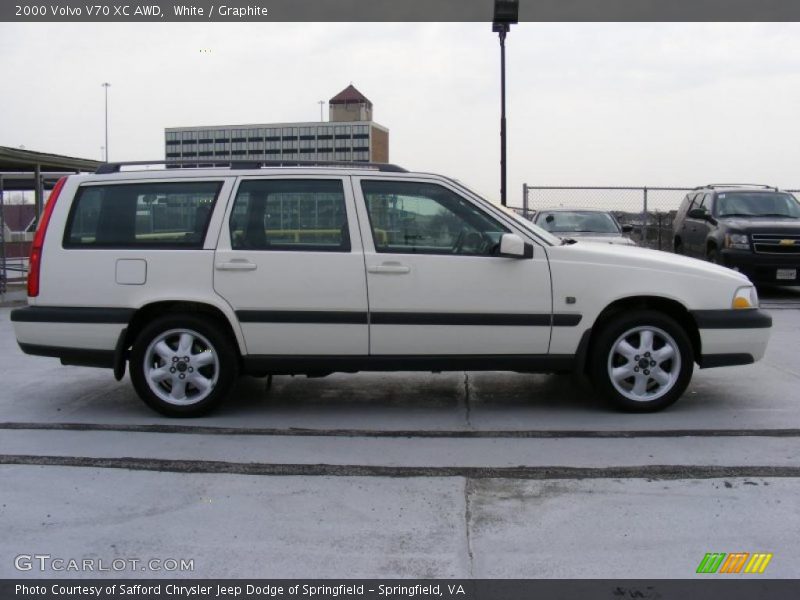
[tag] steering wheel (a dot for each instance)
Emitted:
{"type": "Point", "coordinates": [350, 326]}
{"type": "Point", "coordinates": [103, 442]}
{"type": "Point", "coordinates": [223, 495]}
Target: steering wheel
{"type": "Point", "coordinates": [476, 243]}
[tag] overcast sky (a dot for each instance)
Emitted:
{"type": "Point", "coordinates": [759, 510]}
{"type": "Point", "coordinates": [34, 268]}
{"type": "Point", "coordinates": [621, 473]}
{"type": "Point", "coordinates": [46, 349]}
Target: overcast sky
{"type": "Point", "coordinates": [588, 104]}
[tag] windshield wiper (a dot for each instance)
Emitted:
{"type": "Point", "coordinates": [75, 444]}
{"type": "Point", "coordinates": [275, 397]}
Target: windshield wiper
{"type": "Point", "coordinates": [568, 241]}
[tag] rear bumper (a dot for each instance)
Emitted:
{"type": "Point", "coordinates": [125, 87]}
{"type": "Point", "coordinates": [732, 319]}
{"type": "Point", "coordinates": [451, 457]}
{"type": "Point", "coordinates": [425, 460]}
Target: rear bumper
{"type": "Point", "coordinates": [762, 268]}
{"type": "Point", "coordinates": [79, 357]}
{"type": "Point", "coordinates": [82, 336]}
{"type": "Point", "coordinates": [732, 337]}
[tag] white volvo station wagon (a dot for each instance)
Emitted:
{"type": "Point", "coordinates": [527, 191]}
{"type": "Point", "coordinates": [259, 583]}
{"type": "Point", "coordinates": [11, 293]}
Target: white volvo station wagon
{"type": "Point", "coordinates": [192, 276]}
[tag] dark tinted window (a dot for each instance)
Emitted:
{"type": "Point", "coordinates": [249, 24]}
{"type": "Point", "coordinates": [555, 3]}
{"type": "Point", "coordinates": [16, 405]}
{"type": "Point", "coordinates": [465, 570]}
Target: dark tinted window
{"type": "Point", "coordinates": [425, 218]}
{"type": "Point", "coordinates": [290, 214]}
{"type": "Point", "coordinates": [146, 215]}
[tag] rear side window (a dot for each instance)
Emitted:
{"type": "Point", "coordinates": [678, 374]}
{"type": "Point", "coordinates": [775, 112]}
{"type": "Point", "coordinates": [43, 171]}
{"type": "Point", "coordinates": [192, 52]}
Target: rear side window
{"type": "Point", "coordinates": [141, 215]}
{"type": "Point", "coordinates": [290, 214]}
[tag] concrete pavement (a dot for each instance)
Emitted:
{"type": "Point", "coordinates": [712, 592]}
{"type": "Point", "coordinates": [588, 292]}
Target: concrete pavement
{"type": "Point", "coordinates": [403, 475]}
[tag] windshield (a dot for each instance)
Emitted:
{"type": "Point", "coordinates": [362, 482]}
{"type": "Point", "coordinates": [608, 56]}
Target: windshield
{"type": "Point", "coordinates": [578, 221]}
{"type": "Point", "coordinates": [757, 204]}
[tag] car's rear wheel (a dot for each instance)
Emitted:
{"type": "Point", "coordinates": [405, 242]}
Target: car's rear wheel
{"type": "Point", "coordinates": [183, 366]}
{"type": "Point", "coordinates": [642, 361]}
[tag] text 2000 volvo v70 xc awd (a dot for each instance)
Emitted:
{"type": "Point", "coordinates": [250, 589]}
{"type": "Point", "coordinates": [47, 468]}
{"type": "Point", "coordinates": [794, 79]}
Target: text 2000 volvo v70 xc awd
{"type": "Point", "coordinates": [191, 276]}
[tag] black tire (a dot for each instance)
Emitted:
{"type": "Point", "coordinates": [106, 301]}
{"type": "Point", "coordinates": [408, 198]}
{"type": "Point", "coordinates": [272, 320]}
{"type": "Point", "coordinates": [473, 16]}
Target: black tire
{"type": "Point", "coordinates": [678, 246]}
{"type": "Point", "coordinates": [607, 355]}
{"type": "Point", "coordinates": [206, 372]}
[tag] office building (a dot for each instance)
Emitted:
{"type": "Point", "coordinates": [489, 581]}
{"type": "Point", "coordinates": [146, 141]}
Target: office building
{"type": "Point", "coordinates": [350, 135]}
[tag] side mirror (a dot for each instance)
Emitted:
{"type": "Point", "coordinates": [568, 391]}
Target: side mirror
{"type": "Point", "coordinates": [627, 228]}
{"type": "Point", "coordinates": [513, 246]}
{"type": "Point", "coordinates": [698, 213]}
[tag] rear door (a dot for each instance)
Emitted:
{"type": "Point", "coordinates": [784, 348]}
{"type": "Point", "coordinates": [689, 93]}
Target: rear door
{"type": "Point", "coordinates": [290, 263]}
{"type": "Point", "coordinates": [435, 285]}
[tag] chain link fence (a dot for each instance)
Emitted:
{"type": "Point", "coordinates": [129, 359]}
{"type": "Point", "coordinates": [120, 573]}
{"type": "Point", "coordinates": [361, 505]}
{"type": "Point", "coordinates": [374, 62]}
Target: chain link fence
{"type": "Point", "coordinates": [649, 210]}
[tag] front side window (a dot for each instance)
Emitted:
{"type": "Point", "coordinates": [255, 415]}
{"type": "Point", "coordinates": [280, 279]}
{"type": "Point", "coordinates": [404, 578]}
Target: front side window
{"type": "Point", "coordinates": [426, 218]}
{"type": "Point", "coordinates": [290, 214]}
{"type": "Point", "coordinates": [141, 215]}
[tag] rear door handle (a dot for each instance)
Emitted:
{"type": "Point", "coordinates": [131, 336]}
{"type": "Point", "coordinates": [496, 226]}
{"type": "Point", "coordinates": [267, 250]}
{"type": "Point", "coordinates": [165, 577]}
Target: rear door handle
{"type": "Point", "coordinates": [390, 268]}
{"type": "Point", "coordinates": [237, 264]}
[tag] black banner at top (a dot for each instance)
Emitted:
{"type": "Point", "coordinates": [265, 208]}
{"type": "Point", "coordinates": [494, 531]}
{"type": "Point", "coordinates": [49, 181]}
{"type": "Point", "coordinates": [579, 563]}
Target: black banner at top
{"type": "Point", "coordinates": [394, 10]}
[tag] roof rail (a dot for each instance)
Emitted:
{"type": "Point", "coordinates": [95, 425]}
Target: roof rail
{"type": "Point", "coordinates": [721, 185]}
{"type": "Point", "coordinates": [115, 167]}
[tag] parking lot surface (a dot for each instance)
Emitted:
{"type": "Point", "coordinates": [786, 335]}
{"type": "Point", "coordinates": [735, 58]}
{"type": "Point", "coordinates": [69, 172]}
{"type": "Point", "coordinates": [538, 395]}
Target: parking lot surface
{"type": "Point", "coordinates": [404, 475]}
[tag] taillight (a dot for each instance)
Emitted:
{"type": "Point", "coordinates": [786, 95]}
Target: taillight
{"type": "Point", "coordinates": [35, 262]}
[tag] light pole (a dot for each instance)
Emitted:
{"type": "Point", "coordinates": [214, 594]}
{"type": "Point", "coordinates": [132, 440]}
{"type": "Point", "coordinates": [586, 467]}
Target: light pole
{"type": "Point", "coordinates": [506, 13]}
{"type": "Point", "coordinates": [321, 102]}
{"type": "Point", "coordinates": [106, 85]}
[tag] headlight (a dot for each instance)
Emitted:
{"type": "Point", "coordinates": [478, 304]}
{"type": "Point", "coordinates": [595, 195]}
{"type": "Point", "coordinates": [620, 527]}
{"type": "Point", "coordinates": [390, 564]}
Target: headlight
{"type": "Point", "coordinates": [745, 297]}
{"type": "Point", "coordinates": [737, 240]}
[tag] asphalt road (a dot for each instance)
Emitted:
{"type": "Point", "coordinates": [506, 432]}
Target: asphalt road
{"type": "Point", "coordinates": [404, 475]}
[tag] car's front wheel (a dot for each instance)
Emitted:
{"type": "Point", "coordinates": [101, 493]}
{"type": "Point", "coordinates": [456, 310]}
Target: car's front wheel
{"type": "Point", "coordinates": [183, 366]}
{"type": "Point", "coordinates": [642, 361]}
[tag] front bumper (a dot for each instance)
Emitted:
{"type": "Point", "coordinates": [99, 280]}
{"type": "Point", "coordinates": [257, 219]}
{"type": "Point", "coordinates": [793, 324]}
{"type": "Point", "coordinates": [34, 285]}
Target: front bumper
{"type": "Point", "coordinates": [762, 268]}
{"type": "Point", "coordinates": [732, 337]}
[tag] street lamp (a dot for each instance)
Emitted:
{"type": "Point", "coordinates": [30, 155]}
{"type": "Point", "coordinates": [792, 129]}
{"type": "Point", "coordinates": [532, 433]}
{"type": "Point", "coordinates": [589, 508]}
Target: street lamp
{"type": "Point", "coordinates": [506, 13]}
{"type": "Point", "coordinates": [106, 86]}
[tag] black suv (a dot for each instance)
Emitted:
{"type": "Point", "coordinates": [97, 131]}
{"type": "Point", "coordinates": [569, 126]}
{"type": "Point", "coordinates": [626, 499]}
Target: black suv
{"type": "Point", "coordinates": [754, 229]}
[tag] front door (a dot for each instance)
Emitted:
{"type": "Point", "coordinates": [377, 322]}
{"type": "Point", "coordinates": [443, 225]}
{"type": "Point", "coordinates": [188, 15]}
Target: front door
{"type": "Point", "coordinates": [436, 285]}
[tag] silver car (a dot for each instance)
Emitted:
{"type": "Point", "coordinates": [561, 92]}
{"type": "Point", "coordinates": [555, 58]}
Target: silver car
{"type": "Point", "coordinates": [584, 224]}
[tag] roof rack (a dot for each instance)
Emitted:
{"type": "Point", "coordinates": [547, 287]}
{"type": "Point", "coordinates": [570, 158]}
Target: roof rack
{"type": "Point", "coordinates": [115, 167]}
{"type": "Point", "coordinates": [722, 185]}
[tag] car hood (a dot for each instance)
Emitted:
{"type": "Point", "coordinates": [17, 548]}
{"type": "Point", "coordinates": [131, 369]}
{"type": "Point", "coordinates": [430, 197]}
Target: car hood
{"type": "Point", "coordinates": [764, 225]}
{"type": "Point", "coordinates": [603, 238]}
{"type": "Point", "coordinates": [644, 258]}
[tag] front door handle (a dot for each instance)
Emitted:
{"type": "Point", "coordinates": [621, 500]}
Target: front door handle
{"type": "Point", "coordinates": [237, 264]}
{"type": "Point", "coordinates": [390, 268]}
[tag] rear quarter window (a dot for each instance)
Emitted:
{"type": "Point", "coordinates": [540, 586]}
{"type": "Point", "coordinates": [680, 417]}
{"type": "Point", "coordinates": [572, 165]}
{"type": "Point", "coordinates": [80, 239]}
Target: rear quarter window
{"type": "Point", "coordinates": [141, 215]}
